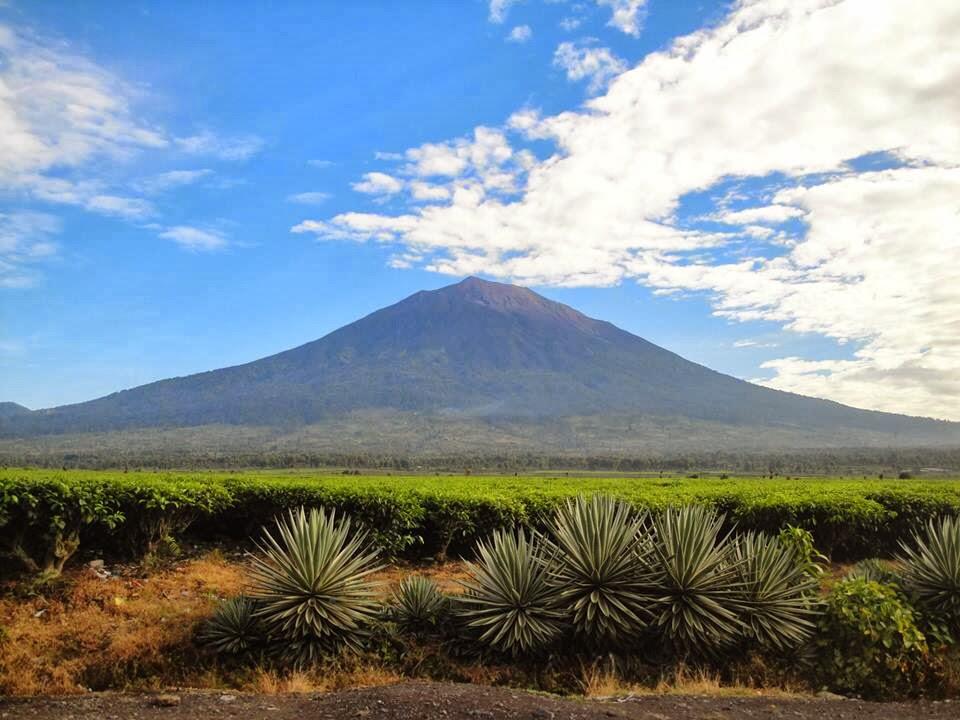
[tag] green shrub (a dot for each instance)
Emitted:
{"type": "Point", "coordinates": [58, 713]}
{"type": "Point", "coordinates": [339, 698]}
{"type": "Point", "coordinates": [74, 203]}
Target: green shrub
{"type": "Point", "coordinates": [43, 519]}
{"type": "Point", "coordinates": [417, 605]}
{"type": "Point", "coordinates": [599, 568]}
{"type": "Point", "coordinates": [311, 584]}
{"type": "Point", "coordinates": [234, 628]}
{"type": "Point", "coordinates": [869, 642]}
{"type": "Point", "coordinates": [156, 510]}
{"type": "Point", "coordinates": [508, 599]}
{"type": "Point", "coordinates": [779, 594]}
{"type": "Point", "coordinates": [696, 582]}
{"type": "Point", "coordinates": [800, 542]}
{"type": "Point", "coordinates": [931, 571]}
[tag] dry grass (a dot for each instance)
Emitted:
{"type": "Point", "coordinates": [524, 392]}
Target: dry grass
{"type": "Point", "coordinates": [271, 682]}
{"type": "Point", "coordinates": [447, 575]}
{"type": "Point", "coordinates": [113, 633]}
{"type": "Point", "coordinates": [604, 682]}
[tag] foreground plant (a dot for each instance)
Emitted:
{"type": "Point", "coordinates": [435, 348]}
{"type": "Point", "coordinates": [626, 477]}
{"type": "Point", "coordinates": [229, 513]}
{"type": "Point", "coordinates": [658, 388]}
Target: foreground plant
{"type": "Point", "coordinates": [234, 628]}
{"type": "Point", "coordinates": [599, 568]}
{"type": "Point", "coordinates": [869, 642]}
{"type": "Point", "coordinates": [697, 584]}
{"type": "Point", "coordinates": [417, 605]}
{"type": "Point", "coordinates": [311, 584]}
{"type": "Point", "coordinates": [508, 599]}
{"type": "Point", "coordinates": [931, 570]}
{"type": "Point", "coordinates": [778, 592]}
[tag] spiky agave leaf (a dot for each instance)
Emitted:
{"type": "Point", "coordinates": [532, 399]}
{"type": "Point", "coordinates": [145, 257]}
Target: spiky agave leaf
{"type": "Point", "coordinates": [598, 567]}
{"type": "Point", "coordinates": [508, 598]}
{"type": "Point", "coordinates": [931, 569]}
{"type": "Point", "coordinates": [877, 570]}
{"type": "Point", "coordinates": [698, 592]}
{"type": "Point", "coordinates": [778, 592]}
{"type": "Point", "coordinates": [234, 628]}
{"type": "Point", "coordinates": [417, 604]}
{"type": "Point", "coordinates": [311, 584]}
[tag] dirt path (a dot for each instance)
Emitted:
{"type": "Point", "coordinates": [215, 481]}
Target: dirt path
{"type": "Point", "coordinates": [416, 700]}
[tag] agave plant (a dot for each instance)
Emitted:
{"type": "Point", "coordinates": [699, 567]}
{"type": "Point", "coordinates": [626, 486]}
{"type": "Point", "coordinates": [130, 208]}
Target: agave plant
{"type": "Point", "coordinates": [311, 584]}
{"type": "Point", "coordinates": [931, 569]}
{"type": "Point", "coordinates": [778, 592]}
{"type": "Point", "coordinates": [417, 604]}
{"type": "Point", "coordinates": [697, 585]}
{"type": "Point", "coordinates": [508, 599]}
{"type": "Point", "coordinates": [876, 570]}
{"type": "Point", "coordinates": [234, 628]}
{"type": "Point", "coordinates": [599, 568]}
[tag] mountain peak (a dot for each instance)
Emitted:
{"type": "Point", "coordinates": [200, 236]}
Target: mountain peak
{"type": "Point", "coordinates": [503, 297]}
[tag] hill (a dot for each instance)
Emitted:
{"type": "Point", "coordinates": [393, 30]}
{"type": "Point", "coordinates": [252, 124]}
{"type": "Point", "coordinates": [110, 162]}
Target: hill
{"type": "Point", "coordinates": [497, 362]}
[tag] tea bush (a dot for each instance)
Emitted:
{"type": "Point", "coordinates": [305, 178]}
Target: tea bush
{"type": "Point", "coordinates": [869, 642]}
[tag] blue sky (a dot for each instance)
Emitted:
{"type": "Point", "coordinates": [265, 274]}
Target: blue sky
{"type": "Point", "coordinates": [190, 186]}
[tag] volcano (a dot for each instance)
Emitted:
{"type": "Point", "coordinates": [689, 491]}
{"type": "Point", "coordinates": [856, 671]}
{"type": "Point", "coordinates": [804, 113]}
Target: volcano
{"type": "Point", "coordinates": [480, 352]}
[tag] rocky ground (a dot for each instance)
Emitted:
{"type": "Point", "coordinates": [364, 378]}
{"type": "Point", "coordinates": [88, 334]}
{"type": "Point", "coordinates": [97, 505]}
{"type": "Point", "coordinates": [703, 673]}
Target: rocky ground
{"type": "Point", "coordinates": [416, 700]}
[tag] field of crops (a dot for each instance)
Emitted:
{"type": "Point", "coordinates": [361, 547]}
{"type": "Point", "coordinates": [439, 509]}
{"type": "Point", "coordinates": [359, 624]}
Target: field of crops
{"type": "Point", "coordinates": [45, 515]}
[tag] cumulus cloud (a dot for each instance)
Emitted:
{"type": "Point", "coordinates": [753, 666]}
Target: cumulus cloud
{"type": "Point", "coordinates": [498, 10]}
{"type": "Point", "coordinates": [520, 34]}
{"type": "Point", "coordinates": [583, 61]}
{"type": "Point", "coordinates": [196, 239]}
{"type": "Point", "coordinates": [626, 15]}
{"type": "Point", "coordinates": [378, 183]}
{"type": "Point", "coordinates": [780, 96]}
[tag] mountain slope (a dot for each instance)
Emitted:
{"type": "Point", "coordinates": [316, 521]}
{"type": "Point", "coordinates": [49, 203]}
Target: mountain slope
{"type": "Point", "coordinates": [475, 349]}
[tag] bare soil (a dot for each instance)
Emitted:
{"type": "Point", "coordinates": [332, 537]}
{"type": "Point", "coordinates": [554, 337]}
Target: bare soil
{"type": "Point", "coordinates": [415, 700]}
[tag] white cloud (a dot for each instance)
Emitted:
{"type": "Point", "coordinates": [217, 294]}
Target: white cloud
{"type": "Point", "coordinates": [583, 61]}
{"type": "Point", "coordinates": [26, 238]}
{"type": "Point", "coordinates": [780, 93]}
{"type": "Point", "coordinates": [520, 34]}
{"type": "Point", "coordinates": [309, 198]}
{"type": "Point", "coordinates": [197, 239]}
{"type": "Point", "coordinates": [754, 344]}
{"type": "Point", "coordinates": [765, 215]}
{"type": "Point", "coordinates": [378, 183]}
{"type": "Point", "coordinates": [570, 23]}
{"type": "Point", "coordinates": [321, 163]}
{"type": "Point", "coordinates": [172, 179]}
{"type": "Point", "coordinates": [498, 10]}
{"type": "Point", "coordinates": [59, 111]}
{"type": "Point", "coordinates": [425, 191]}
{"type": "Point", "coordinates": [239, 147]}
{"type": "Point", "coordinates": [627, 15]}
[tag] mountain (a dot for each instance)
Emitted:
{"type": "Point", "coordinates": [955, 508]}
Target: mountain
{"type": "Point", "coordinates": [483, 353]}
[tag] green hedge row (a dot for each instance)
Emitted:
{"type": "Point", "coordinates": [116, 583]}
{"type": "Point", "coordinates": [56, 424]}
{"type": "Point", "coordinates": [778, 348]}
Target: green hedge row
{"type": "Point", "coordinates": [46, 515]}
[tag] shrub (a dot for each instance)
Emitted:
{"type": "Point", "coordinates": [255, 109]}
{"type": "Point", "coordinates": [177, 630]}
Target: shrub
{"type": "Point", "coordinates": [234, 628]}
{"type": "Point", "coordinates": [43, 519]}
{"type": "Point", "coordinates": [800, 542]}
{"type": "Point", "coordinates": [599, 568]}
{"type": "Point", "coordinates": [877, 570]}
{"type": "Point", "coordinates": [508, 599]}
{"type": "Point", "coordinates": [311, 584]}
{"type": "Point", "coordinates": [931, 571]}
{"type": "Point", "coordinates": [696, 583]}
{"type": "Point", "coordinates": [156, 510]}
{"type": "Point", "coordinates": [778, 591]}
{"type": "Point", "coordinates": [869, 642]}
{"type": "Point", "coordinates": [417, 605]}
